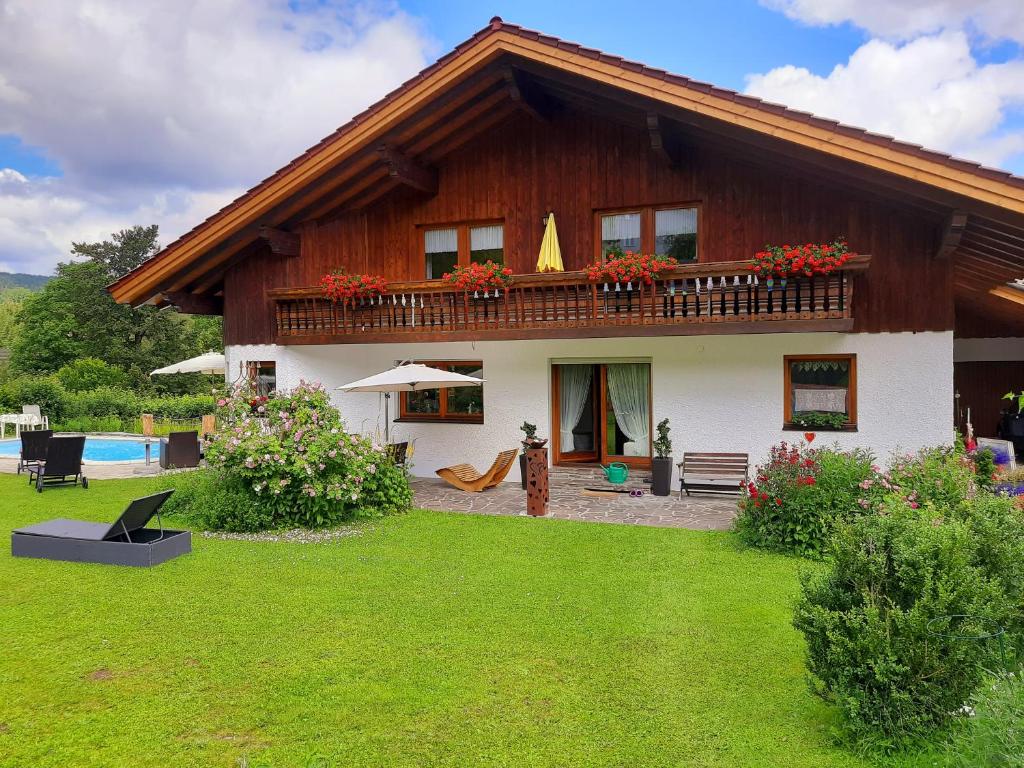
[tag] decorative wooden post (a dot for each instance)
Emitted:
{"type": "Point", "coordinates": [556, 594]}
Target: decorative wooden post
{"type": "Point", "coordinates": [147, 424]}
{"type": "Point", "coordinates": [209, 424]}
{"type": "Point", "coordinates": [537, 482]}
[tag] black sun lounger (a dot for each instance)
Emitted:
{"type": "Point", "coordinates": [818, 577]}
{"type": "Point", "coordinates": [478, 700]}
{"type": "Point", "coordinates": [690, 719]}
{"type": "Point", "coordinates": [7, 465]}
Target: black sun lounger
{"type": "Point", "coordinates": [126, 542]}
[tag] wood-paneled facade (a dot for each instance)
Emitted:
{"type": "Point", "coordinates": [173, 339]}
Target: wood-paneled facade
{"type": "Point", "coordinates": [580, 162]}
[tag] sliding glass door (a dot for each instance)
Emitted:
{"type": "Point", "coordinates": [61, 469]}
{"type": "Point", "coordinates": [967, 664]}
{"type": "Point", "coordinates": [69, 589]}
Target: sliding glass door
{"type": "Point", "coordinates": [602, 412]}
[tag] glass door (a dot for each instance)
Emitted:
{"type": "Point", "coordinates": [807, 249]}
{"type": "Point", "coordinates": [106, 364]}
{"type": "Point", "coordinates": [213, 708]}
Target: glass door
{"type": "Point", "coordinates": [626, 413]}
{"type": "Point", "coordinates": [575, 408]}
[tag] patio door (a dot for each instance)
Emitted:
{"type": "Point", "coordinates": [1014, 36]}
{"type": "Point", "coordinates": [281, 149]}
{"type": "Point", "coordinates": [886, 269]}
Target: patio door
{"type": "Point", "coordinates": [602, 413]}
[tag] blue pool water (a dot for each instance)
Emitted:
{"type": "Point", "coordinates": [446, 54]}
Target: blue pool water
{"type": "Point", "coordinates": [96, 449]}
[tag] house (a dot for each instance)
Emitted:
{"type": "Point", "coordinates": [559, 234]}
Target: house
{"type": "Point", "coordinates": [465, 162]}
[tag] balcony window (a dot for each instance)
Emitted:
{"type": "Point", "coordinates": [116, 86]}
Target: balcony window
{"type": "Point", "coordinates": [669, 231]}
{"type": "Point", "coordinates": [446, 247]}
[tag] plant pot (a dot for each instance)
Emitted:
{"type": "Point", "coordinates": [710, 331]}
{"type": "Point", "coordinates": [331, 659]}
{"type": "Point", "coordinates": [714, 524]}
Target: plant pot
{"type": "Point", "coordinates": [1011, 426]}
{"type": "Point", "coordinates": [661, 476]}
{"type": "Point", "coordinates": [522, 468]}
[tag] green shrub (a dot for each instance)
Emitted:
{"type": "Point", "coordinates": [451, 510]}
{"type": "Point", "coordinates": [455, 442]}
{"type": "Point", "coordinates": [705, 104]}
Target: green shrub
{"type": "Point", "coordinates": [291, 454]}
{"type": "Point", "coordinates": [819, 419]}
{"type": "Point", "coordinates": [90, 373]}
{"type": "Point", "coordinates": [44, 391]}
{"type": "Point", "coordinates": [178, 406]}
{"type": "Point", "coordinates": [799, 495]}
{"type": "Point", "coordinates": [865, 617]}
{"type": "Point", "coordinates": [214, 500]}
{"type": "Point", "coordinates": [993, 737]}
{"type": "Point", "coordinates": [984, 467]}
{"type": "Point", "coordinates": [103, 401]}
{"type": "Point", "coordinates": [942, 475]}
{"type": "Point", "coordinates": [90, 424]}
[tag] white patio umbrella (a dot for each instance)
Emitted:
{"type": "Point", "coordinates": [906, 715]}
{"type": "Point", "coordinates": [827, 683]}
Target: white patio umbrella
{"type": "Point", "coordinates": [211, 362]}
{"type": "Point", "coordinates": [411, 377]}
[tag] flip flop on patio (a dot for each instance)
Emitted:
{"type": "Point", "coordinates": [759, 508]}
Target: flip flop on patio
{"type": "Point", "coordinates": [466, 478]}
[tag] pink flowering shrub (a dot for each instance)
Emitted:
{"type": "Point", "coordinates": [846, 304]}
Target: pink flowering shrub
{"type": "Point", "coordinates": [292, 458]}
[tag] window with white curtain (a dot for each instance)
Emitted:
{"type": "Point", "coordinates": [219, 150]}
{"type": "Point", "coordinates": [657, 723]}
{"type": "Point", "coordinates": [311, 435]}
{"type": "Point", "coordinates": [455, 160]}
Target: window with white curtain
{"type": "Point", "coordinates": [441, 248]}
{"type": "Point", "coordinates": [620, 232]}
{"type": "Point", "coordinates": [675, 233]}
{"type": "Point", "coordinates": [667, 231]}
{"type": "Point", "coordinates": [487, 244]}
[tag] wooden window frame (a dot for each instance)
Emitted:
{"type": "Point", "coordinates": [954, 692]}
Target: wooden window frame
{"type": "Point", "coordinates": [787, 393]}
{"type": "Point", "coordinates": [462, 234]}
{"type": "Point", "coordinates": [442, 416]}
{"type": "Point", "coordinates": [647, 230]}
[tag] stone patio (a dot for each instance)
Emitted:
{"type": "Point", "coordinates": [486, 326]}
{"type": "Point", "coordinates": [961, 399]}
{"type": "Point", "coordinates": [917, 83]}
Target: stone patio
{"type": "Point", "coordinates": [703, 513]}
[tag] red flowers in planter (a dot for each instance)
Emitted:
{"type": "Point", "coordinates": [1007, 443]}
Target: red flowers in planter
{"type": "Point", "coordinates": [629, 267]}
{"type": "Point", "coordinates": [341, 286]}
{"type": "Point", "coordinates": [801, 260]}
{"type": "Point", "coordinates": [479, 277]}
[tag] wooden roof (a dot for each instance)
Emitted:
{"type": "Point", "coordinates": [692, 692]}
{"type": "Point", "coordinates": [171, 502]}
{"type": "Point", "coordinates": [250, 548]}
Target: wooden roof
{"type": "Point", "coordinates": [504, 67]}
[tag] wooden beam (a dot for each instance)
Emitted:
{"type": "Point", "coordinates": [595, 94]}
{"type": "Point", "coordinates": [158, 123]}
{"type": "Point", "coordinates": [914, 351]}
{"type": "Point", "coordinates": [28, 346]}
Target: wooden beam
{"type": "Point", "coordinates": [662, 143]}
{"type": "Point", "coordinates": [281, 243]}
{"type": "Point", "coordinates": [952, 235]}
{"type": "Point", "coordinates": [1015, 295]}
{"type": "Point", "coordinates": [527, 96]}
{"type": "Point", "coordinates": [407, 171]}
{"type": "Point", "coordinates": [194, 303]}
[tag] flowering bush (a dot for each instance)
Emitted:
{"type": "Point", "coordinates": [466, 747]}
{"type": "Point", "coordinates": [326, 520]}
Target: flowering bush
{"type": "Point", "coordinates": [292, 458]}
{"type": "Point", "coordinates": [795, 260]}
{"type": "Point", "coordinates": [629, 267]}
{"type": "Point", "coordinates": [341, 286]}
{"type": "Point", "coordinates": [479, 277]}
{"type": "Point", "coordinates": [798, 495]}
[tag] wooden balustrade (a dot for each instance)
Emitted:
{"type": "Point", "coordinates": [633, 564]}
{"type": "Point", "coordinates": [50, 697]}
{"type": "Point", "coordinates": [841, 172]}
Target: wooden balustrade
{"type": "Point", "coordinates": [720, 297]}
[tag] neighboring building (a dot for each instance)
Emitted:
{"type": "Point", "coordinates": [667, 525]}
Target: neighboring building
{"type": "Point", "coordinates": [464, 162]}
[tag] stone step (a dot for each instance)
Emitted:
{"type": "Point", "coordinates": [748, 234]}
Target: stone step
{"type": "Point", "coordinates": [593, 477]}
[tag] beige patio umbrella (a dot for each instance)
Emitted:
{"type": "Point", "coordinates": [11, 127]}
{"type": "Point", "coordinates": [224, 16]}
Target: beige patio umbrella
{"type": "Point", "coordinates": [210, 362]}
{"type": "Point", "coordinates": [410, 377]}
{"type": "Point", "coordinates": [550, 259]}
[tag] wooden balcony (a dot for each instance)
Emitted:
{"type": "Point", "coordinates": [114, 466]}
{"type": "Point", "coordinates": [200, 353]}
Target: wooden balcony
{"type": "Point", "coordinates": [716, 298]}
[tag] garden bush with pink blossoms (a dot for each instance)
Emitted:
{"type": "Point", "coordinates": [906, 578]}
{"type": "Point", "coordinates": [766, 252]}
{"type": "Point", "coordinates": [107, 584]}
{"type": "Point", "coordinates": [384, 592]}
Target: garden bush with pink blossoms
{"type": "Point", "coordinates": [287, 461]}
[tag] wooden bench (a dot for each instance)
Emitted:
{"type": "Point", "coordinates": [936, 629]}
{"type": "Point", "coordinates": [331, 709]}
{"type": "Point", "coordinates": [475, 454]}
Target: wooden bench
{"type": "Point", "coordinates": [717, 473]}
{"type": "Point", "coordinates": [466, 478]}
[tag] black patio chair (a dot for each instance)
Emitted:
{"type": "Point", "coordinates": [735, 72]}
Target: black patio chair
{"type": "Point", "coordinates": [62, 465]}
{"type": "Point", "coordinates": [180, 450]}
{"type": "Point", "coordinates": [33, 448]}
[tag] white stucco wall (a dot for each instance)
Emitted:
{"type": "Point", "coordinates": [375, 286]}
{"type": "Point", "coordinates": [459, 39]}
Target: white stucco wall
{"type": "Point", "coordinates": [720, 393]}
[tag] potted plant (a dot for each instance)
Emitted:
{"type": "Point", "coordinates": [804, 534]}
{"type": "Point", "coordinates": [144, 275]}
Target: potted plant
{"type": "Point", "coordinates": [482, 280]}
{"type": "Point", "coordinates": [352, 290]}
{"type": "Point", "coordinates": [808, 260]}
{"type": "Point", "coordinates": [661, 474]}
{"type": "Point", "coordinates": [530, 440]}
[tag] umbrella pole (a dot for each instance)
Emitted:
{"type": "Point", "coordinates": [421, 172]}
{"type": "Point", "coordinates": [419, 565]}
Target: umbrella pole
{"type": "Point", "coordinates": [387, 418]}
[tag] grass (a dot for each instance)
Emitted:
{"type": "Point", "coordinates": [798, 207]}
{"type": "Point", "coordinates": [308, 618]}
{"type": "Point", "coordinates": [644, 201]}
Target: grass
{"type": "Point", "coordinates": [431, 640]}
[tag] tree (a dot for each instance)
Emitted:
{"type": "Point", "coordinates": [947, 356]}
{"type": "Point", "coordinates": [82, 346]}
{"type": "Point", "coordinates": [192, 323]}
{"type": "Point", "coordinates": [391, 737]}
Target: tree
{"type": "Point", "coordinates": [11, 300]}
{"type": "Point", "coordinates": [74, 316]}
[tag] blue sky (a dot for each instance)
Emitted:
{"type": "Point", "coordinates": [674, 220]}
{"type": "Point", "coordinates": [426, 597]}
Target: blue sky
{"type": "Point", "coordinates": [114, 113]}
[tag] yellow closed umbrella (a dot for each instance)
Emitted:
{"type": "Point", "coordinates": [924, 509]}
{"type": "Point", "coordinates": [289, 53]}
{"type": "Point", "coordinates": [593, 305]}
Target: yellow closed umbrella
{"type": "Point", "coordinates": [550, 254]}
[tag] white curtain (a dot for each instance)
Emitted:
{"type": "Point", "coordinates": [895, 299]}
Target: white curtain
{"type": "Point", "coordinates": [677, 221]}
{"type": "Point", "coordinates": [629, 387]}
{"type": "Point", "coordinates": [573, 389]}
{"type": "Point", "coordinates": [486, 238]}
{"type": "Point", "coordinates": [441, 241]}
{"type": "Point", "coordinates": [622, 226]}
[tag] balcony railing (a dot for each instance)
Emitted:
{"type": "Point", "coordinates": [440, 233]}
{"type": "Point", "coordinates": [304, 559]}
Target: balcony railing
{"type": "Point", "coordinates": [720, 297]}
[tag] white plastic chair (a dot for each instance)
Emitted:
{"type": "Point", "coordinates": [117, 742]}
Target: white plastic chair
{"type": "Point", "coordinates": [38, 420]}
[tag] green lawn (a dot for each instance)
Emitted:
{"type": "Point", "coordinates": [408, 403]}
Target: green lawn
{"type": "Point", "coordinates": [432, 639]}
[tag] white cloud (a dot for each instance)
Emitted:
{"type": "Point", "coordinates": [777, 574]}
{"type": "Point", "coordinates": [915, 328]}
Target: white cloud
{"type": "Point", "coordinates": [162, 111]}
{"type": "Point", "coordinates": [905, 19]}
{"type": "Point", "coordinates": [929, 91]}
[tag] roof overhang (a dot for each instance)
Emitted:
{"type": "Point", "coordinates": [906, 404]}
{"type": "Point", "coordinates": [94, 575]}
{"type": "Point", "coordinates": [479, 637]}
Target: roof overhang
{"type": "Point", "coordinates": [992, 195]}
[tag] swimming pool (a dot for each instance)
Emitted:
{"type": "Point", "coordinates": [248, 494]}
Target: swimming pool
{"type": "Point", "coordinates": [100, 449]}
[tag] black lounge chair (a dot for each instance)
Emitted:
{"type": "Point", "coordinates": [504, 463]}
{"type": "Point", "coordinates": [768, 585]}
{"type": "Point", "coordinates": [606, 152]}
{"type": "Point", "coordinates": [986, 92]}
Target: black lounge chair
{"type": "Point", "coordinates": [63, 463]}
{"type": "Point", "coordinates": [180, 450]}
{"type": "Point", "coordinates": [33, 448]}
{"type": "Point", "coordinates": [126, 542]}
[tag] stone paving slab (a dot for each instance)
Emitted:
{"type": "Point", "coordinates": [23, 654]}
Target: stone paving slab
{"type": "Point", "coordinates": [100, 470]}
{"type": "Point", "coordinates": [702, 513]}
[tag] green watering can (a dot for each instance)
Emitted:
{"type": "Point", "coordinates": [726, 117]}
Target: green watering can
{"type": "Point", "coordinates": [616, 473]}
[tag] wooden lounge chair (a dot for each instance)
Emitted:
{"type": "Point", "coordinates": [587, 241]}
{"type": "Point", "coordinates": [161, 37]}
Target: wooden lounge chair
{"type": "Point", "coordinates": [33, 448]}
{"type": "Point", "coordinates": [717, 473]}
{"type": "Point", "coordinates": [62, 465]}
{"type": "Point", "coordinates": [466, 478]}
